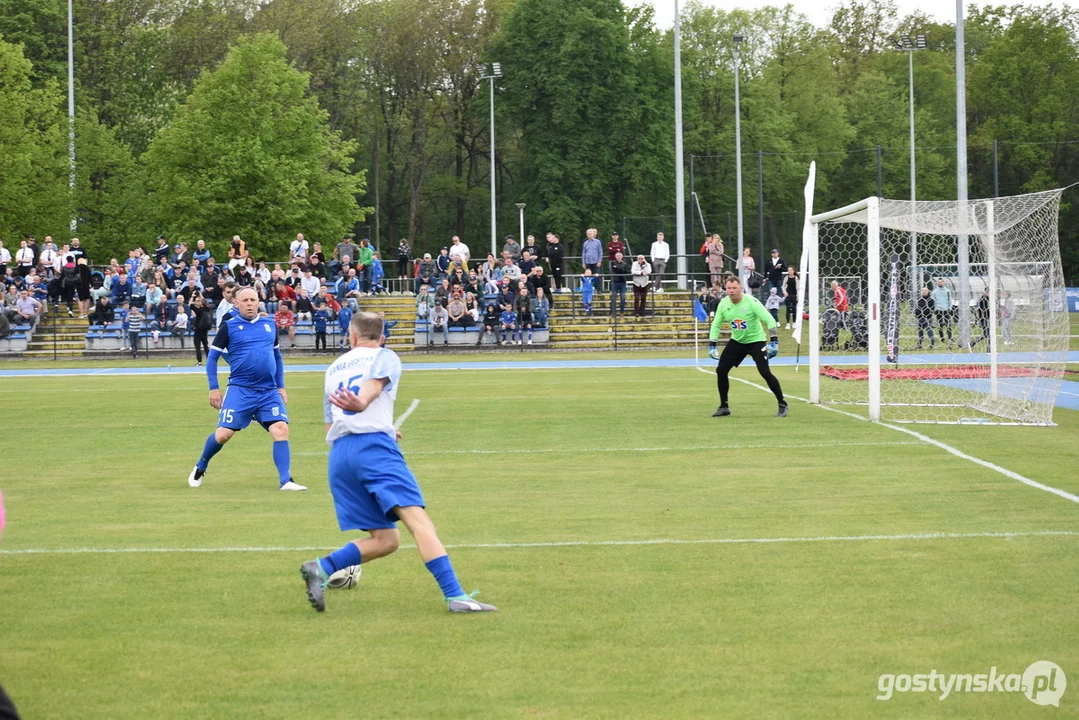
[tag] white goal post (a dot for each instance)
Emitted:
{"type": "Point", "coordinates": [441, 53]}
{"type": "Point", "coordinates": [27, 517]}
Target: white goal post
{"type": "Point", "coordinates": [938, 312]}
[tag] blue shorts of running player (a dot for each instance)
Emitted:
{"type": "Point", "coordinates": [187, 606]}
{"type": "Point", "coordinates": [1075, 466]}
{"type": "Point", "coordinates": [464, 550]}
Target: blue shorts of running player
{"type": "Point", "coordinates": [242, 404]}
{"type": "Point", "coordinates": [368, 479]}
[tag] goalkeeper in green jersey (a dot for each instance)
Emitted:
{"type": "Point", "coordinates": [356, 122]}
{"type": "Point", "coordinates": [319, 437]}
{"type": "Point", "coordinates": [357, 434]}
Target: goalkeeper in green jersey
{"type": "Point", "coordinates": [745, 315]}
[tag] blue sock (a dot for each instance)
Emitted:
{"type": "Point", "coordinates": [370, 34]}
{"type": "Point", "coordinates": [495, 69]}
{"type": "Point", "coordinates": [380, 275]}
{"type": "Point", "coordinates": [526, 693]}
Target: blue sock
{"type": "Point", "coordinates": [282, 459]}
{"type": "Point", "coordinates": [211, 448]}
{"type": "Point", "coordinates": [447, 580]}
{"type": "Point", "coordinates": [529, 333]}
{"type": "Point", "coordinates": [347, 556]}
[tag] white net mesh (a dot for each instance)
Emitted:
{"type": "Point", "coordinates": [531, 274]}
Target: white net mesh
{"type": "Point", "coordinates": [975, 336]}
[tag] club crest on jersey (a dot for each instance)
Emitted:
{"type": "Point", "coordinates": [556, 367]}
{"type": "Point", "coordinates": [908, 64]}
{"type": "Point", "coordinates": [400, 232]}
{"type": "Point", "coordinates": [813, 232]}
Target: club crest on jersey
{"type": "Point", "coordinates": [241, 326]}
{"type": "Point", "coordinates": [266, 328]}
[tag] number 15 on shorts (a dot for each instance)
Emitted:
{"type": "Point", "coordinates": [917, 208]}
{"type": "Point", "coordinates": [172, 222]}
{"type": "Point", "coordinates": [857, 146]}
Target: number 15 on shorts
{"type": "Point", "coordinates": [225, 416]}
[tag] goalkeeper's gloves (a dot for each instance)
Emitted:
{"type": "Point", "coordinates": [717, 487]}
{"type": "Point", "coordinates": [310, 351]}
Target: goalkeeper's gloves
{"type": "Point", "coordinates": [772, 350]}
{"type": "Point", "coordinates": [713, 351]}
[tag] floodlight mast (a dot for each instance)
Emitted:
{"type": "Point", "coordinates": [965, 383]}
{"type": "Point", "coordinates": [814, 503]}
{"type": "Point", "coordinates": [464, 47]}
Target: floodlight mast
{"type": "Point", "coordinates": [739, 38]}
{"type": "Point", "coordinates": [495, 72]}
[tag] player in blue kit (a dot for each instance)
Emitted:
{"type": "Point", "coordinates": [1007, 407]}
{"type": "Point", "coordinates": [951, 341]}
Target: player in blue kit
{"type": "Point", "coordinates": [372, 486]}
{"type": "Point", "coordinates": [256, 388]}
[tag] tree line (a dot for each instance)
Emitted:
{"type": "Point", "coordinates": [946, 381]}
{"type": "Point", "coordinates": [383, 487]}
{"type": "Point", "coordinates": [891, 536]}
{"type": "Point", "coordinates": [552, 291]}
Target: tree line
{"type": "Point", "coordinates": [208, 118]}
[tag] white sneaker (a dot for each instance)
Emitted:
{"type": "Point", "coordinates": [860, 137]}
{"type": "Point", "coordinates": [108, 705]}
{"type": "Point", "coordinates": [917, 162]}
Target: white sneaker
{"type": "Point", "coordinates": [294, 487]}
{"type": "Point", "coordinates": [660, 290]}
{"type": "Point", "coordinates": [788, 326]}
{"type": "Point", "coordinates": [195, 481]}
{"type": "Point", "coordinates": [518, 342]}
{"type": "Point", "coordinates": [529, 342]}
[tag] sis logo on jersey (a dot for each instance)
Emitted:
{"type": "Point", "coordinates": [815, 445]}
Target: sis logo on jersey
{"type": "Point", "coordinates": [739, 324]}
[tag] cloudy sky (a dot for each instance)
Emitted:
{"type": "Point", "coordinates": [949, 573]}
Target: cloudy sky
{"type": "Point", "coordinates": [820, 11]}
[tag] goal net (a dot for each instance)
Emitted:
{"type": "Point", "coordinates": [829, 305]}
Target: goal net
{"type": "Point", "coordinates": [939, 312]}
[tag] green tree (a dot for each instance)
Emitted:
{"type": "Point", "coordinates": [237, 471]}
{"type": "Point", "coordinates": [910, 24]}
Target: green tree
{"type": "Point", "coordinates": [108, 193]}
{"type": "Point", "coordinates": [250, 153]}
{"type": "Point", "coordinates": [40, 26]}
{"type": "Point", "coordinates": [34, 195]}
{"type": "Point", "coordinates": [569, 90]}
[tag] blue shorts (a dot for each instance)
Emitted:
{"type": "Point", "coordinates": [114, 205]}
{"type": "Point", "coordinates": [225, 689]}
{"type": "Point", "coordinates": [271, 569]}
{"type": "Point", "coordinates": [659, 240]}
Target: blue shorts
{"type": "Point", "coordinates": [243, 404]}
{"type": "Point", "coordinates": [368, 479]}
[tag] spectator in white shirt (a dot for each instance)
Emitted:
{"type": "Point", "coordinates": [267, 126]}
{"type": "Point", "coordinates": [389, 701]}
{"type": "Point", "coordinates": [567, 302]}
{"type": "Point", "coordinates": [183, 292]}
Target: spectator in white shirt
{"type": "Point", "coordinates": [298, 249]}
{"type": "Point", "coordinates": [49, 261]}
{"type": "Point", "coordinates": [24, 259]}
{"type": "Point", "coordinates": [459, 249]}
{"type": "Point", "coordinates": [641, 271]}
{"type": "Point", "coordinates": [661, 253]}
{"type": "Point", "coordinates": [28, 308]}
{"type": "Point", "coordinates": [310, 283]}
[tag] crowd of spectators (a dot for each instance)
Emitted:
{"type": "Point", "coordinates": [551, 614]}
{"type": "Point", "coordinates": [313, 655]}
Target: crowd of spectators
{"type": "Point", "coordinates": [185, 290]}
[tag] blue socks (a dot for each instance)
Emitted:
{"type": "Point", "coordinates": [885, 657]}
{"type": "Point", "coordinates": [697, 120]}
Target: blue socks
{"type": "Point", "coordinates": [347, 556]}
{"type": "Point", "coordinates": [211, 448]}
{"type": "Point", "coordinates": [282, 458]}
{"type": "Point", "coordinates": [447, 580]}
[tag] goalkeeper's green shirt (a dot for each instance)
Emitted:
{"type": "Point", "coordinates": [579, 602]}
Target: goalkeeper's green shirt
{"type": "Point", "coordinates": [745, 319]}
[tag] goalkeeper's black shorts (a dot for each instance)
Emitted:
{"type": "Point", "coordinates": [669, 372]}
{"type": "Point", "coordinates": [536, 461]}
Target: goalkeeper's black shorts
{"type": "Point", "coordinates": [735, 352]}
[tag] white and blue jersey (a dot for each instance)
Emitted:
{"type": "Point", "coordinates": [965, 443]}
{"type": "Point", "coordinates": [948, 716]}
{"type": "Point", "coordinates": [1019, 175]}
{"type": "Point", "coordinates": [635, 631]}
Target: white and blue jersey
{"type": "Point", "coordinates": [368, 474]}
{"type": "Point", "coordinates": [256, 371]}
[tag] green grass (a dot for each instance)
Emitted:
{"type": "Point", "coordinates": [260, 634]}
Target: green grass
{"type": "Point", "coordinates": [614, 631]}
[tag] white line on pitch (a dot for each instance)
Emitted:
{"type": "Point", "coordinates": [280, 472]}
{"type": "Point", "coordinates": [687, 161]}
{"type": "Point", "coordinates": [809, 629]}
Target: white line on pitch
{"type": "Point", "coordinates": [735, 446]}
{"type": "Point", "coordinates": [404, 416]}
{"type": "Point", "coordinates": [929, 441]}
{"type": "Point", "coordinates": [578, 543]}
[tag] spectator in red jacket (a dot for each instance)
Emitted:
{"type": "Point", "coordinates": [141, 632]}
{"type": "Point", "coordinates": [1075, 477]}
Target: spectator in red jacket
{"type": "Point", "coordinates": [286, 322]}
{"type": "Point", "coordinates": [841, 302]}
{"type": "Point", "coordinates": [615, 246]}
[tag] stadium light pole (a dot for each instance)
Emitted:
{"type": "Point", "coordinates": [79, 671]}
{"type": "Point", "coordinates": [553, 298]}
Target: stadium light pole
{"type": "Point", "coordinates": [679, 178]}
{"type": "Point", "coordinates": [739, 38]}
{"type": "Point", "coordinates": [961, 174]}
{"type": "Point", "coordinates": [496, 72]}
{"type": "Point", "coordinates": [521, 209]}
{"type": "Point", "coordinates": [71, 109]}
{"type": "Point", "coordinates": [910, 45]}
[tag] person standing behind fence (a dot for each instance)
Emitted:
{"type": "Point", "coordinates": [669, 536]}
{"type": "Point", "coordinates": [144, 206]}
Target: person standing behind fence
{"type": "Point", "coordinates": [202, 321]}
{"type": "Point", "coordinates": [923, 313]}
{"type": "Point", "coordinates": [790, 296]}
{"type": "Point", "coordinates": [641, 271]}
{"type": "Point", "coordinates": [771, 304]}
{"type": "Point", "coordinates": [619, 277]}
{"type": "Point", "coordinates": [713, 255]}
{"type": "Point", "coordinates": [841, 302]}
{"type": "Point", "coordinates": [749, 266]}
{"type": "Point", "coordinates": [134, 329]}
{"type": "Point", "coordinates": [322, 320]}
{"type": "Point", "coordinates": [587, 290]}
{"type": "Point", "coordinates": [69, 283]}
{"type": "Point", "coordinates": [556, 254]}
{"type": "Point", "coordinates": [776, 269]}
{"type": "Point", "coordinates": [592, 252]}
{"type": "Point", "coordinates": [942, 309]}
{"type": "Point", "coordinates": [404, 259]}
{"type": "Point", "coordinates": [1007, 317]}
{"type": "Point", "coordinates": [661, 253]}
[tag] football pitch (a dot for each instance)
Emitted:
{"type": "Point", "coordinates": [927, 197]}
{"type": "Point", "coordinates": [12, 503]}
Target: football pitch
{"type": "Point", "coordinates": [647, 559]}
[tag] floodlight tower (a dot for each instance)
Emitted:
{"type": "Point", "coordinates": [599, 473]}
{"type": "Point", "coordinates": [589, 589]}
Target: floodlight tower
{"type": "Point", "coordinates": [910, 44]}
{"type": "Point", "coordinates": [495, 72]}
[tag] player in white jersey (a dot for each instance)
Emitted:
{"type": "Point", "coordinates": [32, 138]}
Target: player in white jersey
{"type": "Point", "coordinates": [372, 486]}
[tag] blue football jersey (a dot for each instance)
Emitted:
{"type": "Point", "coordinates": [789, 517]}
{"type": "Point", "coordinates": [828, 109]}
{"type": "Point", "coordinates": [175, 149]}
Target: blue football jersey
{"type": "Point", "coordinates": [248, 346]}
